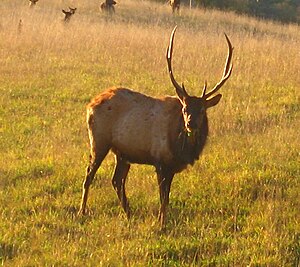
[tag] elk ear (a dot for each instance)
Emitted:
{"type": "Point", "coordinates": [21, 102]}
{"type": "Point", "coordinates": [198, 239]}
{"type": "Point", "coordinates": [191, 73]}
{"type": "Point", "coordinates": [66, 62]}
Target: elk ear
{"type": "Point", "coordinates": [213, 101]}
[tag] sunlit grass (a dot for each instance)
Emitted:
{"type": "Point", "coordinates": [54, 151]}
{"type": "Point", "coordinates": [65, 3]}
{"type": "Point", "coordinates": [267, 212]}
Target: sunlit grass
{"type": "Point", "coordinates": [238, 206]}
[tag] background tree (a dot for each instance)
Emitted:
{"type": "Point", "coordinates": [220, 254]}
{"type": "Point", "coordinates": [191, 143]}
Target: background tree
{"type": "Point", "coordinates": [283, 10]}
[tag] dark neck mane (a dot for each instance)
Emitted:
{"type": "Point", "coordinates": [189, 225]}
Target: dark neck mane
{"type": "Point", "coordinates": [189, 146]}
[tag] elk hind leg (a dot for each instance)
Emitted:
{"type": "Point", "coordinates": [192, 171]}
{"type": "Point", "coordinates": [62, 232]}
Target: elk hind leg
{"type": "Point", "coordinates": [95, 163]}
{"type": "Point", "coordinates": [118, 182]}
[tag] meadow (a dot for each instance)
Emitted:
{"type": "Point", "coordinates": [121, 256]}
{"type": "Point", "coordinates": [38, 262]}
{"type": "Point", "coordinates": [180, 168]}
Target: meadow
{"type": "Point", "coordinates": [239, 205]}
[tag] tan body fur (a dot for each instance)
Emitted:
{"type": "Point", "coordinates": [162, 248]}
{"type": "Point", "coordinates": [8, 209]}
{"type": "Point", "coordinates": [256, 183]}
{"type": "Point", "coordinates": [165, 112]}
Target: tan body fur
{"type": "Point", "coordinates": [132, 124]}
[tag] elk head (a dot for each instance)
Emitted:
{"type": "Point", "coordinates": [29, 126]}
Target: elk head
{"type": "Point", "coordinates": [194, 108]}
{"type": "Point", "coordinates": [72, 10]}
{"type": "Point", "coordinates": [69, 14]}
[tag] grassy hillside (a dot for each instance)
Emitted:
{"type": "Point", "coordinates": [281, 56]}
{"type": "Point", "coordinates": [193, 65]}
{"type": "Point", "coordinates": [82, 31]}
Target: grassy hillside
{"type": "Point", "coordinates": [239, 205]}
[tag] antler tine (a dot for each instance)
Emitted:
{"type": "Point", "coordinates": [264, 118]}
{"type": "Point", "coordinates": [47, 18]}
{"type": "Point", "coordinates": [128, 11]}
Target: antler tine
{"type": "Point", "coordinates": [181, 92]}
{"type": "Point", "coordinates": [227, 70]}
{"type": "Point", "coordinates": [204, 89]}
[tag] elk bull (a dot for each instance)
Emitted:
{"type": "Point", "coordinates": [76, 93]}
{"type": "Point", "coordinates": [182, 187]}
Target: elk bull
{"type": "Point", "coordinates": [69, 14]}
{"type": "Point", "coordinates": [32, 3]}
{"type": "Point", "coordinates": [168, 133]}
{"type": "Point", "coordinates": [108, 6]}
{"type": "Point", "coordinates": [175, 5]}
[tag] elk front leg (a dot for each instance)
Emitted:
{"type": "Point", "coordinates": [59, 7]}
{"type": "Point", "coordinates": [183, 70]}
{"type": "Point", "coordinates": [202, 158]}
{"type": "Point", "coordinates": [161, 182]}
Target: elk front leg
{"type": "Point", "coordinates": [164, 178]}
{"type": "Point", "coordinates": [118, 182]}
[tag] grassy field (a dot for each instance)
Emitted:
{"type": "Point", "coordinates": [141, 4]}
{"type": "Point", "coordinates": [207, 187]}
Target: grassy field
{"type": "Point", "coordinates": [238, 206]}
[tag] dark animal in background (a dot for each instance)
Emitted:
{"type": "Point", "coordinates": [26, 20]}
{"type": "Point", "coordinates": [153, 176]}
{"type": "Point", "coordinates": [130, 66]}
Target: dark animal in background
{"type": "Point", "coordinates": [108, 6]}
{"type": "Point", "coordinates": [175, 5]}
{"type": "Point", "coordinates": [69, 14]}
{"type": "Point", "coordinates": [168, 133]}
{"type": "Point", "coordinates": [32, 3]}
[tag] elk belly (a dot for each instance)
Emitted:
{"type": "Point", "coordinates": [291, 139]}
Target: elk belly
{"type": "Point", "coordinates": [141, 137]}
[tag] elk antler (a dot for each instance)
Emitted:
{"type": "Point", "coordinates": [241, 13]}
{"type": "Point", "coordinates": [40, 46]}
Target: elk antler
{"type": "Point", "coordinates": [226, 73]}
{"type": "Point", "coordinates": [180, 90]}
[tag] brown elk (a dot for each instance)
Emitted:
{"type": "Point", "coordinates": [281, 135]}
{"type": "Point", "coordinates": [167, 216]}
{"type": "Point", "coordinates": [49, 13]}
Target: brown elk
{"type": "Point", "coordinates": [108, 6]}
{"type": "Point", "coordinates": [69, 14]}
{"type": "Point", "coordinates": [32, 3]}
{"type": "Point", "coordinates": [168, 133]}
{"type": "Point", "coordinates": [175, 5]}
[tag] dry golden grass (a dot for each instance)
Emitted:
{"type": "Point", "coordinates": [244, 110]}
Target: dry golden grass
{"type": "Point", "coordinates": [239, 205]}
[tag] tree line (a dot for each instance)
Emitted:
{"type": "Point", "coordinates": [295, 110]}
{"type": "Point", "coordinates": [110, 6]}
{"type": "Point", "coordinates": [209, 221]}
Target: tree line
{"type": "Point", "coordinates": [282, 10]}
{"type": "Point", "coordinates": [287, 11]}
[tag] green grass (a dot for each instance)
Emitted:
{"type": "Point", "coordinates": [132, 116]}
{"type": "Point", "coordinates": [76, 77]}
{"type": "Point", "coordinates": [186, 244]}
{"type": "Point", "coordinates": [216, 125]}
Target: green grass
{"type": "Point", "coordinates": [239, 205]}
